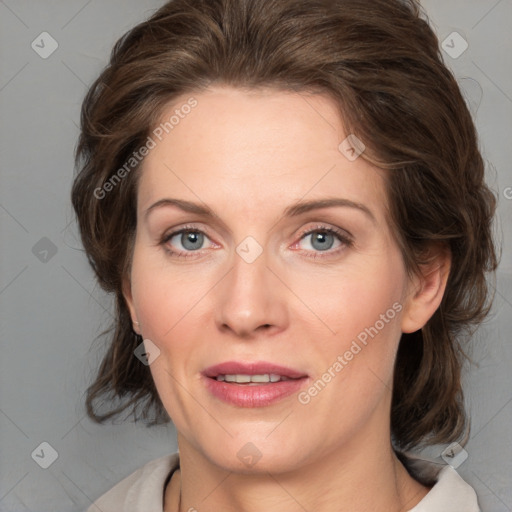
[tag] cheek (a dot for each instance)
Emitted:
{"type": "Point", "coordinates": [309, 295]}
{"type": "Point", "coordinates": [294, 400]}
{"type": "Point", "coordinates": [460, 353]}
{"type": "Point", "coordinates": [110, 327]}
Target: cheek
{"type": "Point", "coordinates": [358, 315]}
{"type": "Point", "coordinates": [163, 296]}
{"type": "Point", "coordinates": [346, 301]}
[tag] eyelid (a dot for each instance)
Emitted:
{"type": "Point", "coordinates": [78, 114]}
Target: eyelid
{"type": "Point", "coordinates": [345, 238]}
{"type": "Point", "coordinates": [342, 233]}
{"type": "Point", "coordinates": [168, 235]}
{"type": "Point", "coordinates": [186, 227]}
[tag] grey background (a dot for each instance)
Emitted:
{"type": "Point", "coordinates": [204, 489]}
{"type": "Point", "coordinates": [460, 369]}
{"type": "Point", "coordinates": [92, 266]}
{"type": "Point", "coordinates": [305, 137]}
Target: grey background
{"type": "Point", "coordinates": [52, 309]}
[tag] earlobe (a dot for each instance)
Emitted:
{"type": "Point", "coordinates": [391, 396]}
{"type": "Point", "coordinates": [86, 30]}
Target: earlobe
{"type": "Point", "coordinates": [426, 291]}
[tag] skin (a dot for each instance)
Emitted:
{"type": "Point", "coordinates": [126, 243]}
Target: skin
{"type": "Point", "coordinates": [248, 155]}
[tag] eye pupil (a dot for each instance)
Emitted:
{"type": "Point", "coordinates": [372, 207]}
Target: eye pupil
{"type": "Point", "coordinates": [325, 240]}
{"type": "Point", "coordinates": [192, 240]}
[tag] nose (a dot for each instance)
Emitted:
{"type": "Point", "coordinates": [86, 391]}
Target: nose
{"type": "Point", "coordinates": [251, 299]}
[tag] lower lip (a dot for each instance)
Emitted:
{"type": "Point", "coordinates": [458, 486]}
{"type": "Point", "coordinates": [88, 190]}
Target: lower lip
{"type": "Point", "coordinates": [245, 395]}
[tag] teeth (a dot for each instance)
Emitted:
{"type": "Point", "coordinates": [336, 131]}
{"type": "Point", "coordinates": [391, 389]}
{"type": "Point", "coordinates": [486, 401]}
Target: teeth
{"type": "Point", "coordinates": [246, 379]}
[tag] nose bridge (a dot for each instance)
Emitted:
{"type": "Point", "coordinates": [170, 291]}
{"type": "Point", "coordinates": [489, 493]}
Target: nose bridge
{"type": "Point", "coordinates": [250, 295]}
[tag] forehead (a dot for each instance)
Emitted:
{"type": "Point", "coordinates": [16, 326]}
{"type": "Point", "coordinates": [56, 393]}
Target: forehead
{"type": "Point", "coordinates": [258, 148]}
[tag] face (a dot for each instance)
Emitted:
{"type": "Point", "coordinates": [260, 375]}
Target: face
{"type": "Point", "coordinates": [244, 265]}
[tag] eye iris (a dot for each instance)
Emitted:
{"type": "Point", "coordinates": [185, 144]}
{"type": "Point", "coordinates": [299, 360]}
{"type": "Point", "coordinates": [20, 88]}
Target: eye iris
{"type": "Point", "coordinates": [325, 240]}
{"type": "Point", "coordinates": [192, 240]}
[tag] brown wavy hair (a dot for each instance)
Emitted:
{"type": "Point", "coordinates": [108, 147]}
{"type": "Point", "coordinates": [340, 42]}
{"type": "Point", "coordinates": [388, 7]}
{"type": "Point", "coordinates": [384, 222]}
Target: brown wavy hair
{"type": "Point", "coordinates": [380, 62]}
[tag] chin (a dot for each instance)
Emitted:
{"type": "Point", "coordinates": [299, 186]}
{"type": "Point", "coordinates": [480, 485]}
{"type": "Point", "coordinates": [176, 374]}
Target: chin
{"type": "Point", "coordinates": [257, 456]}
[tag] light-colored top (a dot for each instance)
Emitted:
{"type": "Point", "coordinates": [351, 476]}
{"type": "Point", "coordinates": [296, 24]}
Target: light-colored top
{"type": "Point", "coordinates": [143, 490]}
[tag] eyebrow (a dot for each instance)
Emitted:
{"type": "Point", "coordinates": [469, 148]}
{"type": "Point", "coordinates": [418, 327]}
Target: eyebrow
{"type": "Point", "coordinates": [294, 210]}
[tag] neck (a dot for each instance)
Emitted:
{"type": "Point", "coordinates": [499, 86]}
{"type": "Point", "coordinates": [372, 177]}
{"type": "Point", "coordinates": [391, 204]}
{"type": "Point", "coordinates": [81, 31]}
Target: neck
{"type": "Point", "coordinates": [346, 479]}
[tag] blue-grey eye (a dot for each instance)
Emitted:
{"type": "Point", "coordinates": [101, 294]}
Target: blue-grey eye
{"type": "Point", "coordinates": [190, 240]}
{"type": "Point", "coordinates": [322, 241]}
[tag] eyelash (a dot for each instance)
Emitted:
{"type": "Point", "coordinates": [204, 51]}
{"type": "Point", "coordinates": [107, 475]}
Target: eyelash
{"type": "Point", "coordinates": [340, 235]}
{"type": "Point", "coordinates": [344, 238]}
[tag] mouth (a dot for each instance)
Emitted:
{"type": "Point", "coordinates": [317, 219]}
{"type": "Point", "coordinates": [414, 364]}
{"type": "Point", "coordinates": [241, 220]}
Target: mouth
{"type": "Point", "coordinates": [252, 379]}
{"type": "Point", "coordinates": [254, 384]}
{"type": "Point", "coordinates": [256, 369]}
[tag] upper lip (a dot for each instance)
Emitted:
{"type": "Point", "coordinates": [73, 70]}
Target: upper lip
{"type": "Point", "coordinates": [251, 368]}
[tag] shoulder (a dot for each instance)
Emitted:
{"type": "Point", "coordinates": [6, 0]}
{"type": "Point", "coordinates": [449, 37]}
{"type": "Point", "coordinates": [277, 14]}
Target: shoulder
{"type": "Point", "coordinates": [450, 493]}
{"type": "Point", "coordinates": [141, 491]}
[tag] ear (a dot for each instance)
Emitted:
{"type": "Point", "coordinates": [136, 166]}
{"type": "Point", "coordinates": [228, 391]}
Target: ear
{"type": "Point", "coordinates": [128, 297]}
{"type": "Point", "coordinates": [426, 291]}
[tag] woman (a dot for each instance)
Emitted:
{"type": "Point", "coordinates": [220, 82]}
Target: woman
{"type": "Point", "coordinates": [288, 201]}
